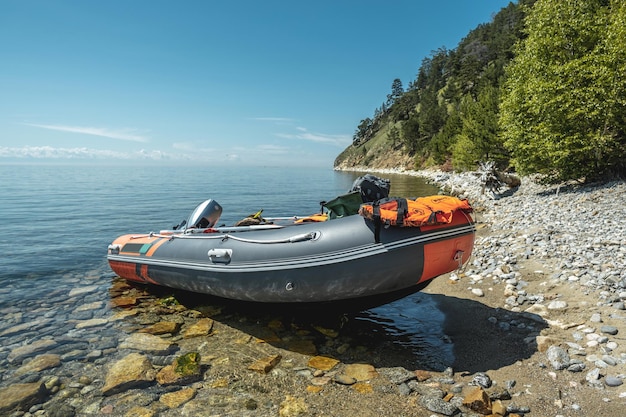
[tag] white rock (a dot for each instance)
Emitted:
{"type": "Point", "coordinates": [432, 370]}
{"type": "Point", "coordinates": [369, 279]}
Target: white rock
{"type": "Point", "coordinates": [478, 292]}
{"type": "Point", "coordinates": [557, 305]}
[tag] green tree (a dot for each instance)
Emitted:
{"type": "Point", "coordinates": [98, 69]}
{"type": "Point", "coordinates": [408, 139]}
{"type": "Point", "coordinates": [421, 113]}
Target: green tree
{"type": "Point", "coordinates": [396, 92]}
{"type": "Point", "coordinates": [562, 111]}
{"type": "Point", "coordinates": [432, 116]}
{"type": "Point", "coordinates": [394, 137]}
{"type": "Point", "coordinates": [362, 132]}
{"type": "Point", "coordinates": [479, 139]}
{"type": "Point", "coordinates": [410, 135]}
{"type": "Point", "coordinates": [440, 146]}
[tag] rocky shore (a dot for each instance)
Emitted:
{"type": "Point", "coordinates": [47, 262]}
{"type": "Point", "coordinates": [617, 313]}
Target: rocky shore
{"type": "Point", "coordinates": [536, 322]}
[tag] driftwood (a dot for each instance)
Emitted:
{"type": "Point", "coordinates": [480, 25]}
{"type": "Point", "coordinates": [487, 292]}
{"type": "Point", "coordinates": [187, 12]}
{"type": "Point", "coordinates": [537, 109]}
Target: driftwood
{"type": "Point", "coordinates": [494, 180]}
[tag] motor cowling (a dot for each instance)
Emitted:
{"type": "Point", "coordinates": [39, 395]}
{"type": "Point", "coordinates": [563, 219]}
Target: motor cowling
{"type": "Point", "coordinates": [205, 215]}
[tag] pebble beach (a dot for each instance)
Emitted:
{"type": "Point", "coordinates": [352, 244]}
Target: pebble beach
{"type": "Point", "coordinates": [537, 321]}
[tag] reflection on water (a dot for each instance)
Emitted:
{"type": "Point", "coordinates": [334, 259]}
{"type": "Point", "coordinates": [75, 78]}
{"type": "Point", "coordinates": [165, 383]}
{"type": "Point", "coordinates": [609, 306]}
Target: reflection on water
{"type": "Point", "coordinates": [415, 324]}
{"type": "Point", "coordinates": [408, 332]}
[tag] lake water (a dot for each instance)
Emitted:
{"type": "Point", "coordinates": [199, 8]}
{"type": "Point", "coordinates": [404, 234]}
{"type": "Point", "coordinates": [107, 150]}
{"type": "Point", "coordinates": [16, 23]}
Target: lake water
{"type": "Point", "coordinates": [57, 221]}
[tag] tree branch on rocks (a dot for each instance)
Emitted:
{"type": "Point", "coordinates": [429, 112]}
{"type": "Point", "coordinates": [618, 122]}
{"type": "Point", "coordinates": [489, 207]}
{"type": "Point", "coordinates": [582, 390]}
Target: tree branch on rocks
{"type": "Point", "coordinates": [493, 180]}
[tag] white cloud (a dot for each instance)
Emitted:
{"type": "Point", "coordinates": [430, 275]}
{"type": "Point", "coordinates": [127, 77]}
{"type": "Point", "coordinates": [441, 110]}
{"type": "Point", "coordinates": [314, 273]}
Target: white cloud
{"type": "Point", "coordinates": [304, 134]}
{"type": "Point", "coordinates": [49, 152]}
{"type": "Point", "coordinates": [122, 134]}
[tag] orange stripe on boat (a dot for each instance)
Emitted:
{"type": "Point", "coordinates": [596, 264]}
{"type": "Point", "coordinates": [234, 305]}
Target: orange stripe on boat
{"type": "Point", "coordinates": [126, 270]}
{"type": "Point", "coordinates": [145, 276]}
{"type": "Point", "coordinates": [155, 246]}
{"type": "Point", "coordinates": [447, 255]}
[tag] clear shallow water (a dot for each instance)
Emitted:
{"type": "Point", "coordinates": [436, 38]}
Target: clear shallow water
{"type": "Point", "coordinates": [57, 221]}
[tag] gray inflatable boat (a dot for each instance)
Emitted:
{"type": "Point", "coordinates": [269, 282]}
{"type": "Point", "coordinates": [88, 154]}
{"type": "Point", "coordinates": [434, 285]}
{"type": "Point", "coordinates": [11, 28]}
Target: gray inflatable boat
{"type": "Point", "coordinates": [294, 260]}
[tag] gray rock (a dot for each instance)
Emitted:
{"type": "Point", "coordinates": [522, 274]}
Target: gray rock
{"type": "Point", "coordinates": [481, 379]}
{"type": "Point", "coordinates": [519, 409]}
{"type": "Point", "coordinates": [576, 367]}
{"type": "Point", "coordinates": [613, 381]}
{"type": "Point", "coordinates": [404, 389]}
{"type": "Point", "coordinates": [612, 330]}
{"type": "Point", "coordinates": [438, 405]}
{"type": "Point", "coordinates": [558, 357]}
{"type": "Point", "coordinates": [398, 375]}
{"type": "Point", "coordinates": [593, 376]}
{"type": "Point", "coordinates": [609, 360]}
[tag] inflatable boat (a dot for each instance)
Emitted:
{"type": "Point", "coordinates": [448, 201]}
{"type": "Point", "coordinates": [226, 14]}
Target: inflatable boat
{"type": "Point", "coordinates": [383, 250]}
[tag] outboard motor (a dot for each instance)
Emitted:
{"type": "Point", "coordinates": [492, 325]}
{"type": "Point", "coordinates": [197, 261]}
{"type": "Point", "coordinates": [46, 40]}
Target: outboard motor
{"type": "Point", "coordinates": [371, 187]}
{"type": "Point", "coordinates": [205, 215]}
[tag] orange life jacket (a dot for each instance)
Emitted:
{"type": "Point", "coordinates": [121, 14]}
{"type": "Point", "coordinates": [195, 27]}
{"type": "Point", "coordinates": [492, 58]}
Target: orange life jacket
{"type": "Point", "coordinates": [432, 210]}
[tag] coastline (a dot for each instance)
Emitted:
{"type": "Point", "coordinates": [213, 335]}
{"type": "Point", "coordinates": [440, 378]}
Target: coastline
{"type": "Point", "coordinates": [536, 321]}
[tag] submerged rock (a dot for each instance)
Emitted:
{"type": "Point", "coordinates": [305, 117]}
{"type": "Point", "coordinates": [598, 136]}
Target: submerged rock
{"type": "Point", "coordinates": [266, 364]}
{"type": "Point", "coordinates": [360, 372]}
{"type": "Point", "coordinates": [162, 327]}
{"type": "Point", "coordinates": [39, 363]}
{"type": "Point", "coordinates": [20, 353]}
{"type": "Point", "coordinates": [134, 370]}
{"type": "Point", "coordinates": [148, 343]}
{"type": "Point", "coordinates": [292, 407]}
{"type": "Point", "coordinates": [183, 370]}
{"type": "Point", "coordinates": [323, 363]}
{"type": "Point", "coordinates": [201, 328]}
{"type": "Point", "coordinates": [177, 398]}
{"type": "Point", "coordinates": [18, 397]}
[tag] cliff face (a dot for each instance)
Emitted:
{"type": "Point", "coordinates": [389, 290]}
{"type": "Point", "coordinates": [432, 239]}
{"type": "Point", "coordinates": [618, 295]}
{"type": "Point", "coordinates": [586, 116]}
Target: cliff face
{"type": "Point", "coordinates": [380, 152]}
{"type": "Point", "coordinates": [356, 157]}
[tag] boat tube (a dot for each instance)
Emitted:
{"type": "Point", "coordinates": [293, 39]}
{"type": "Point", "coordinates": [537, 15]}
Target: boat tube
{"type": "Point", "coordinates": [293, 260]}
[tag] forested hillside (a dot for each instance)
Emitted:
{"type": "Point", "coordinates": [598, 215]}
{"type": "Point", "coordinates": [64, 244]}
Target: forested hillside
{"type": "Point", "coordinates": [540, 89]}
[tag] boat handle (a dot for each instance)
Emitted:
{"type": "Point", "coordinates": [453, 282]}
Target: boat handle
{"type": "Point", "coordinates": [220, 256]}
{"type": "Point", "coordinates": [458, 256]}
{"type": "Point", "coordinates": [115, 249]}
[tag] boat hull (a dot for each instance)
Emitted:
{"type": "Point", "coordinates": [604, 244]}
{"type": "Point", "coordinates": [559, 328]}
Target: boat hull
{"type": "Point", "coordinates": [305, 263]}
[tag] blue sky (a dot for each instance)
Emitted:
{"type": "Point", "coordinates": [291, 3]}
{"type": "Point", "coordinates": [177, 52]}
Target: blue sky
{"type": "Point", "coordinates": [251, 82]}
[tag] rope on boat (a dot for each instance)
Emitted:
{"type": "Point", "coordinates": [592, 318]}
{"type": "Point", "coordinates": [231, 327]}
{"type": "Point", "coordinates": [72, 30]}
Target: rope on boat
{"type": "Point", "coordinates": [292, 239]}
{"type": "Point", "coordinates": [296, 238]}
